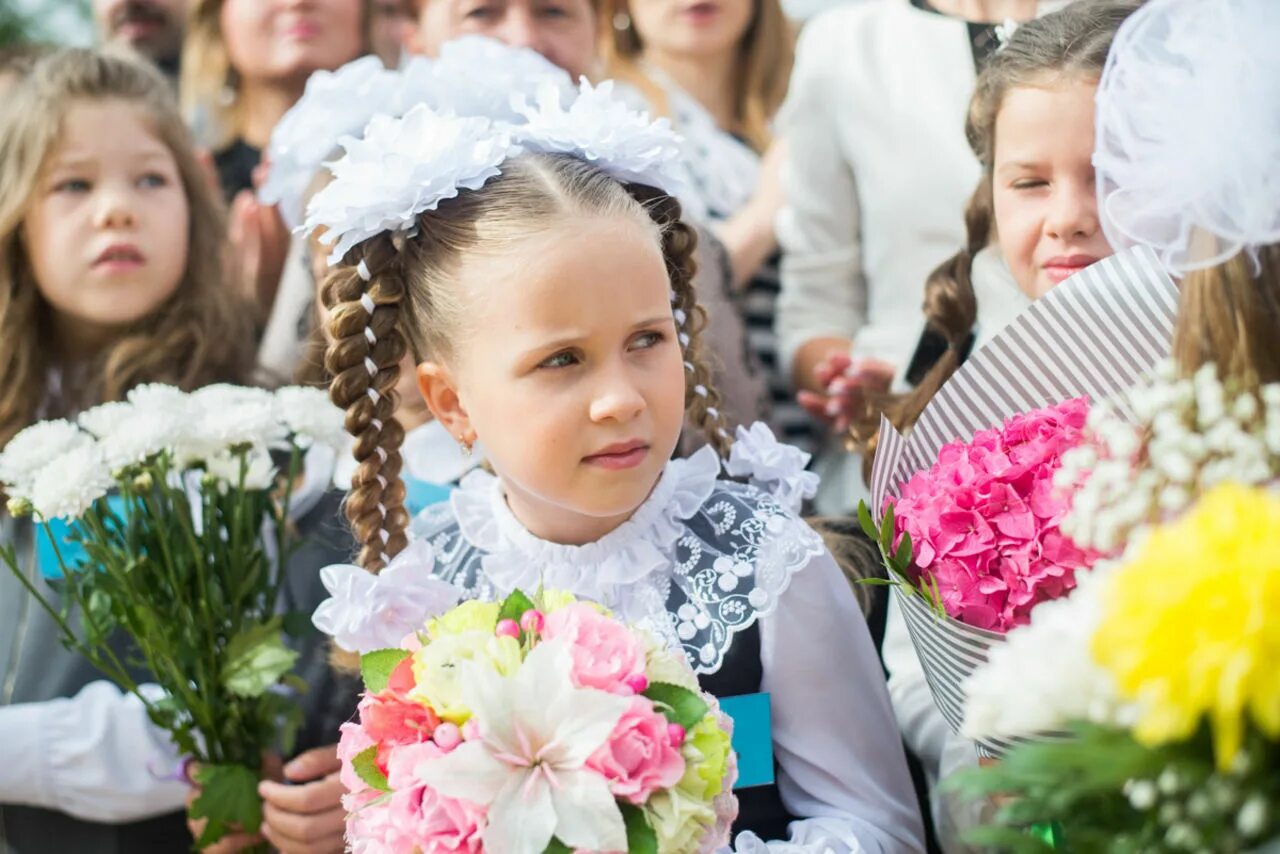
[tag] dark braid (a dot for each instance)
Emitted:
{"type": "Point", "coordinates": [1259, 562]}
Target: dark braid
{"type": "Point", "coordinates": [679, 241]}
{"type": "Point", "coordinates": [364, 361]}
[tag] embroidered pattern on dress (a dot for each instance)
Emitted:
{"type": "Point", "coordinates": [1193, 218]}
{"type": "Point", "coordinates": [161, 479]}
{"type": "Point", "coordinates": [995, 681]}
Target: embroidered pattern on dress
{"type": "Point", "coordinates": [727, 564]}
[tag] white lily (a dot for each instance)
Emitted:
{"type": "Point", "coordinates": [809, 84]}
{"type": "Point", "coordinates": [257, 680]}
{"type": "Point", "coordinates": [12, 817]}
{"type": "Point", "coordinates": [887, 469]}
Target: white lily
{"type": "Point", "coordinates": [528, 763]}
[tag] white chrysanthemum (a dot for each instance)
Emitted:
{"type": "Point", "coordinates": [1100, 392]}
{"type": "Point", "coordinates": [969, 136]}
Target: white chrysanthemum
{"type": "Point", "coordinates": [1045, 675]}
{"type": "Point", "coordinates": [68, 484]}
{"type": "Point", "coordinates": [144, 434]}
{"type": "Point", "coordinates": [401, 168]}
{"type": "Point", "coordinates": [260, 473]}
{"type": "Point", "coordinates": [312, 417]}
{"type": "Point", "coordinates": [602, 129]}
{"type": "Point", "coordinates": [104, 419]}
{"type": "Point", "coordinates": [334, 104]}
{"type": "Point", "coordinates": [35, 447]}
{"type": "Point", "coordinates": [480, 76]}
{"type": "Point", "coordinates": [158, 396]}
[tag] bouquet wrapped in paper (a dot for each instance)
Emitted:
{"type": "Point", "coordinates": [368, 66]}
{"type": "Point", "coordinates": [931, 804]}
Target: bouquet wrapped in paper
{"type": "Point", "coordinates": [1165, 667]}
{"type": "Point", "coordinates": [970, 515]}
{"type": "Point", "coordinates": [530, 726]}
{"type": "Point", "coordinates": [163, 517]}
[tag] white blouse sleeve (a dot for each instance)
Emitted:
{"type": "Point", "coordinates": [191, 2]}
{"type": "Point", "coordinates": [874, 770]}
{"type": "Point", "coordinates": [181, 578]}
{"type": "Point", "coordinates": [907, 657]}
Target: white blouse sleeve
{"type": "Point", "coordinates": [823, 290]}
{"type": "Point", "coordinates": [95, 756]}
{"type": "Point", "coordinates": [841, 765]}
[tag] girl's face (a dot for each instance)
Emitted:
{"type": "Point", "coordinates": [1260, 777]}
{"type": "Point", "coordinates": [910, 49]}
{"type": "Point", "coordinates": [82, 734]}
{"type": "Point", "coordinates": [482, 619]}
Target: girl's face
{"type": "Point", "coordinates": [289, 39]}
{"type": "Point", "coordinates": [568, 370]}
{"type": "Point", "coordinates": [108, 227]}
{"type": "Point", "coordinates": [1046, 207]}
{"type": "Point", "coordinates": [691, 28]}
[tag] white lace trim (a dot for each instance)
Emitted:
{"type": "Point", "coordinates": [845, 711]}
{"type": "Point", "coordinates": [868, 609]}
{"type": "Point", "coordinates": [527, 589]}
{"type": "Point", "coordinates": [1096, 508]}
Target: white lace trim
{"type": "Point", "coordinates": [700, 560]}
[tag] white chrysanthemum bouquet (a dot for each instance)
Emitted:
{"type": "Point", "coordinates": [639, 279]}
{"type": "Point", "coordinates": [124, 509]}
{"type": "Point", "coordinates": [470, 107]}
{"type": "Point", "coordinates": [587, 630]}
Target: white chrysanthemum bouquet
{"type": "Point", "coordinates": [164, 516]}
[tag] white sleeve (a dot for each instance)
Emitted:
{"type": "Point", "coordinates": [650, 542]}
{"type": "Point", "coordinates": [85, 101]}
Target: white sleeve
{"type": "Point", "coordinates": [842, 771]}
{"type": "Point", "coordinates": [823, 290]}
{"type": "Point", "coordinates": [95, 756]}
{"type": "Point", "coordinates": [941, 751]}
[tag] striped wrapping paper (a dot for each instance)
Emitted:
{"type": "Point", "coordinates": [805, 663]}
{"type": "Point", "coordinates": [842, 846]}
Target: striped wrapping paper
{"type": "Point", "coordinates": [1096, 334]}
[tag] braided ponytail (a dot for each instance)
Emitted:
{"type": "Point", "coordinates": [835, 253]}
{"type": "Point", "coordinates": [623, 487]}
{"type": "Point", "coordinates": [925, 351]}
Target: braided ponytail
{"type": "Point", "coordinates": [364, 360]}
{"type": "Point", "coordinates": [679, 241]}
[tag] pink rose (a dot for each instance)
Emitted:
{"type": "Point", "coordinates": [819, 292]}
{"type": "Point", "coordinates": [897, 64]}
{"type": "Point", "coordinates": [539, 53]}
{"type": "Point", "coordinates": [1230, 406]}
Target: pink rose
{"type": "Point", "coordinates": [639, 758]}
{"type": "Point", "coordinates": [605, 653]}
{"type": "Point", "coordinates": [352, 741]}
{"type": "Point", "coordinates": [424, 819]}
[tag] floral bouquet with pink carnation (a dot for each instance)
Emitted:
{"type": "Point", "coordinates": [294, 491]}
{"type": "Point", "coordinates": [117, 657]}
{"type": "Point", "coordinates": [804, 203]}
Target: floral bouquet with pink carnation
{"type": "Point", "coordinates": [531, 726]}
{"type": "Point", "coordinates": [971, 528]}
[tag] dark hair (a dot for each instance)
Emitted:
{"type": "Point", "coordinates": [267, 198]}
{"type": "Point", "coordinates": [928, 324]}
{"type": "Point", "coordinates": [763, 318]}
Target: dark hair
{"type": "Point", "coordinates": [1071, 42]}
{"type": "Point", "coordinates": [417, 308]}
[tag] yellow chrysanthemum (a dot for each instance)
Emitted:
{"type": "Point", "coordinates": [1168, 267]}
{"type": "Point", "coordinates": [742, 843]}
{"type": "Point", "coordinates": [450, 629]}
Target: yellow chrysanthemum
{"type": "Point", "coordinates": [1191, 627]}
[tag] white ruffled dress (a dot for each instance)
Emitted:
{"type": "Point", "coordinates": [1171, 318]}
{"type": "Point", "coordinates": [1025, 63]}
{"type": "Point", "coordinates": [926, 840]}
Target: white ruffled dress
{"type": "Point", "coordinates": [701, 560]}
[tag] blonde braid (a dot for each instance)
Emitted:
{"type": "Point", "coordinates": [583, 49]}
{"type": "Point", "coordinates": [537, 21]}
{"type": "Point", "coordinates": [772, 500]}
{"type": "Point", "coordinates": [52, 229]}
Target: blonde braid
{"type": "Point", "coordinates": [364, 360]}
{"type": "Point", "coordinates": [679, 242]}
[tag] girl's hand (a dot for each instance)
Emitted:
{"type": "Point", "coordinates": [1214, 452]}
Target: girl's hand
{"type": "Point", "coordinates": [259, 243]}
{"type": "Point", "coordinates": [306, 817]}
{"type": "Point", "coordinates": [845, 382]}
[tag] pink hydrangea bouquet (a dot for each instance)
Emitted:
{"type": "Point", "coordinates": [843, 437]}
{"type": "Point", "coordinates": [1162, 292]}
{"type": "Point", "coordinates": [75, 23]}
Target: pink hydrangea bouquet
{"type": "Point", "coordinates": [977, 533]}
{"type": "Point", "coordinates": [531, 726]}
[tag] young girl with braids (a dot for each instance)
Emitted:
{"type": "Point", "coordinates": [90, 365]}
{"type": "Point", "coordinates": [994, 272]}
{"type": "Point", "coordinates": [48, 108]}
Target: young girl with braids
{"type": "Point", "coordinates": [1031, 223]}
{"type": "Point", "coordinates": [544, 292]}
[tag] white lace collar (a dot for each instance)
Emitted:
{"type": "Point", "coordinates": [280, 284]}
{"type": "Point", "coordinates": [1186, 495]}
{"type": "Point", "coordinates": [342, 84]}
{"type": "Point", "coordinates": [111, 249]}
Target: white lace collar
{"type": "Point", "coordinates": [599, 570]}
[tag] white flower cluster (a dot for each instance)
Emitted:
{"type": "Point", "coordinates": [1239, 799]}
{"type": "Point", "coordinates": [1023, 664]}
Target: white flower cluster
{"type": "Point", "coordinates": [454, 123]}
{"type": "Point", "coordinates": [1045, 675]}
{"type": "Point", "coordinates": [1189, 434]}
{"type": "Point", "coordinates": [59, 468]}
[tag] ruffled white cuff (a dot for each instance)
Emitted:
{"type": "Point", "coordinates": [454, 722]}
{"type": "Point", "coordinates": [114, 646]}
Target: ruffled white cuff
{"type": "Point", "coordinates": [774, 466]}
{"type": "Point", "coordinates": [367, 612]}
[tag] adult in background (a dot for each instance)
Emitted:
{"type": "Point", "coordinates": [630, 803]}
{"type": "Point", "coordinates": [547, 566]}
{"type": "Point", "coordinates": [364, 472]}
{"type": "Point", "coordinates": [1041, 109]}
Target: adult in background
{"type": "Point", "coordinates": [245, 62]}
{"type": "Point", "coordinates": [152, 28]}
{"type": "Point", "coordinates": [719, 71]}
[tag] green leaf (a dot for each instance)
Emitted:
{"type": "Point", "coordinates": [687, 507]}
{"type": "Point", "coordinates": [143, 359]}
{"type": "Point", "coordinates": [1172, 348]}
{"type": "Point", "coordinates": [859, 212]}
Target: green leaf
{"type": "Point", "coordinates": [904, 554]}
{"type": "Point", "coordinates": [680, 705]}
{"type": "Point", "coordinates": [366, 767]}
{"type": "Point", "coordinates": [555, 846]}
{"type": "Point", "coordinates": [886, 530]}
{"type": "Point", "coordinates": [514, 606]}
{"type": "Point", "coordinates": [868, 524]}
{"type": "Point", "coordinates": [256, 659]}
{"type": "Point", "coordinates": [376, 668]}
{"type": "Point", "coordinates": [228, 799]}
{"type": "Point", "coordinates": [640, 836]}
{"type": "Point", "coordinates": [297, 624]}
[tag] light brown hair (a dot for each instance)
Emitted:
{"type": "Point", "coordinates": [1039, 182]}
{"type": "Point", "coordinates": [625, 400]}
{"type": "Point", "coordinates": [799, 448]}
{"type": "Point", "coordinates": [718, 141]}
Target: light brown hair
{"type": "Point", "coordinates": [766, 54]}
{"type": "Point", "coordinates": [416, 307]}
{"type": "Point", "coordinates": [201, 334]}
{"type": "Point", "coordinates": [1070, 44]}
{"type": "Point", "coordinates": [1229, 314]}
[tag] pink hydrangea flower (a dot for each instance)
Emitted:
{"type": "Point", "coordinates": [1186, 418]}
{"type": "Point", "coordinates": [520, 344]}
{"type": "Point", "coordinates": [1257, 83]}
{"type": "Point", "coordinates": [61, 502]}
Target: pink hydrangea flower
{"type": "Point", "coordinates": [605, 652]}
{"type": "Point", "coordinates": [639, 758]}
{"type": "Point", "coordinates": [984, 518]}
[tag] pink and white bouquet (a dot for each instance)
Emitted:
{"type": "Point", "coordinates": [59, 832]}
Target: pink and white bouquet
{"type": "Point", "coordinates": [530, 726]}
{"type": "Point", "coordinates": [981, 525]}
